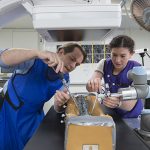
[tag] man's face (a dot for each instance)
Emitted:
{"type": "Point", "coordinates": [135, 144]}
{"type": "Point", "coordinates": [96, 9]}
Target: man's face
{"type": "Point", "coordinates": [120, 57]}
{"type": "Point", "coordinates": [71, 60]}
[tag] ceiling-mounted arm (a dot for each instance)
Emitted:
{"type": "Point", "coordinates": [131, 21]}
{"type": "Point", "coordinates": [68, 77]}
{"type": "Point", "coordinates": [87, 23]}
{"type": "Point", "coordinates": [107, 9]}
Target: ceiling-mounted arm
{"type": "Point", "coordinates": [28, 6]}
{"type": "Point", "coordinates": [31, 1]}
{"type": "Point", "coordinates": [10, 10]}
{"type": "Point", "coordinates": [6, 5]}
{"type": "Point", "coordinates": [11, 15]}
{"type": "Point", "coordinates": [123, 3]}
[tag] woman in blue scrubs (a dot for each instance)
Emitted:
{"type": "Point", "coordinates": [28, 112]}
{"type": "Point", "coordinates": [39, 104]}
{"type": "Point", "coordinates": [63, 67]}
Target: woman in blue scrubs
{"type": "Point", "coordinates": [114, 72]}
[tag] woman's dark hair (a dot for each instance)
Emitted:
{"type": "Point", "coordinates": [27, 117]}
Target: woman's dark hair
{"type": "Point", "coordinates": [122, 41]}
{"type": "Point", "coordinates": [69, 47]}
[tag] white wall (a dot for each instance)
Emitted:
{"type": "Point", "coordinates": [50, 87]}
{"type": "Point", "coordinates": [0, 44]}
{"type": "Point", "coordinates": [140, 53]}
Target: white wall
{"type": "Point", "coordinates": [81, 74]}
{"type": "Point", "coordinates": [29, 38]}
{"type": "Point", "coordinates": [142, 40]}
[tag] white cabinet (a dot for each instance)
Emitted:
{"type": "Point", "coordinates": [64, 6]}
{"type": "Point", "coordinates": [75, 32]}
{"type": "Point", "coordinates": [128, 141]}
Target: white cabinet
{"type": "Point", "coordinates": [21, 38]}
{"type": "Point", "coordinates": [5, 39]}
{"type": "Point", "coordinates": [82, 74]}
{"type": "Point", "coordinates": [25, 39]}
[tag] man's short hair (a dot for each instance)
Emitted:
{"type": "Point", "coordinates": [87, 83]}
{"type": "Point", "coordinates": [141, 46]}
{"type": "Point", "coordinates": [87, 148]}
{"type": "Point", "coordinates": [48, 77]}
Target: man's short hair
{"type": "Point", "coordinates": [69, 47]}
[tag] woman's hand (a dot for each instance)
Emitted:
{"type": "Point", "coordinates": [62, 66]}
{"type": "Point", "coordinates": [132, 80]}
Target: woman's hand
{"type": "Point", "coordinates": [60, 98]}
{"type": "Point", "coordinates": [51, 59]}
{"type": "Point", "coordinates": [112, 102]}
{"type": "Point", "coordinates": [94, 85]}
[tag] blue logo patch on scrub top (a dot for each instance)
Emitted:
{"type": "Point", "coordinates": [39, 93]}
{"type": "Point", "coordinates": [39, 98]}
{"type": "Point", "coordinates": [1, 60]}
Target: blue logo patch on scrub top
{"type": "Point", "coordinates": [51, 74]}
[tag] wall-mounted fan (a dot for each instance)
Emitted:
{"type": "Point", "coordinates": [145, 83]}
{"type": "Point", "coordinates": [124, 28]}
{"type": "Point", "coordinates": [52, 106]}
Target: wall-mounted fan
{"type": "Point", "coordinates": [140, 10]}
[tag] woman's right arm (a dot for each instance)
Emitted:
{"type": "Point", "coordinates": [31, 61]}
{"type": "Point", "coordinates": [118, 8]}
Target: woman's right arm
{"type": "Point", "coordinates": [94, 84]}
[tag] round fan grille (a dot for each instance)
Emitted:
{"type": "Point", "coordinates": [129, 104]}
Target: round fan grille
{"type": "Point", "coordinates": [141, 12]}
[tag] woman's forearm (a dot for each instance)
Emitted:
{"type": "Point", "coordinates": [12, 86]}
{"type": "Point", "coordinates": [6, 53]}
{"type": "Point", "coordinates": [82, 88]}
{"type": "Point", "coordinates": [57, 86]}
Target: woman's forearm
{"type": "Point", "coordinates": [128, 105]}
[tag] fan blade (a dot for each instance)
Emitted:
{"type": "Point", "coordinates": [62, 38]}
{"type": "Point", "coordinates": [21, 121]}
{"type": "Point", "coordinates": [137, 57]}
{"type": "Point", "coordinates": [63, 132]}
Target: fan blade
{"type": "Point", "coordinates": [140, 10]}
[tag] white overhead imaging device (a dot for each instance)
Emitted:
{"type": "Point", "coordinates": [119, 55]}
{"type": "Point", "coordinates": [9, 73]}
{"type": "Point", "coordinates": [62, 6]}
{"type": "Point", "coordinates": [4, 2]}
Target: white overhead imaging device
{"type": "Point", "coordinates": [55, 19]}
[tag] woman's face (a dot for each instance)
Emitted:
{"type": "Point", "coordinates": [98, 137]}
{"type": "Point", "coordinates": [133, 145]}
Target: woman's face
{"type": "Point", "coordinates": [120, 57]}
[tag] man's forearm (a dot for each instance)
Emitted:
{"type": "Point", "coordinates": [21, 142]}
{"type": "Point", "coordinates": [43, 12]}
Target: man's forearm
{"type": "Point", "coordinates": [16, 56]}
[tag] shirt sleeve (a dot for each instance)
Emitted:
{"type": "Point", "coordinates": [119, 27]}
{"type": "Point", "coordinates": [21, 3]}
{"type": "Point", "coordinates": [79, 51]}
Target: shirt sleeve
{"type": "Point", "coordinates": [100, 66]}
{"type": "Point", "coordinates": [2, 50]}
{"type": "Point", "coordinates": [1, 63]}
{"type": "Point", "coordinates": [23, 67]}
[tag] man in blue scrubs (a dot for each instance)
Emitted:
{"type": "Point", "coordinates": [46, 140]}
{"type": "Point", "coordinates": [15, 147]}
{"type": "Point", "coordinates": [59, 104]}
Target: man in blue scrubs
{"type": "Point", "coordinates": [33, 83]}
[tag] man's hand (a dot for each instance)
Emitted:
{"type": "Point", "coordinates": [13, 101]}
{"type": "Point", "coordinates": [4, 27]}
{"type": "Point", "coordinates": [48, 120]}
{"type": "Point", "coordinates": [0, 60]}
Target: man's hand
{"type": "Point", "coordinates": [51, 59]}
{"type": "Point", "coordinates": [60, 98]}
